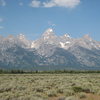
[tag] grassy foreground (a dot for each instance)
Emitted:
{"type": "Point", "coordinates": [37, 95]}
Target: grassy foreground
{"type": "Point", "coordinates": [66, 86]}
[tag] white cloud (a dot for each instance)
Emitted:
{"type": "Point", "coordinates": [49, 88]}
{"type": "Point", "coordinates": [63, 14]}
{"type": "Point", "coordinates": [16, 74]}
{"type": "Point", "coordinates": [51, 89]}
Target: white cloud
{"type": "Point", "coordinates": [1, 27]}
{"type": "Point", "coordinates": [61, 3]}
{"type": "Point", "coordinates": [2, 3]}
{"type": "Point", "coordinates": [1, 19]}
{"type": "Point", "coordinates": [49, 4]}
{"type": "Point", "coordinates": [35, 3]}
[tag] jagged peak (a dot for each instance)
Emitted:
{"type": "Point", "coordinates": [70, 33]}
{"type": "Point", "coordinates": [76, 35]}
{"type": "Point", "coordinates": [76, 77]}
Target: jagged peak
{"type": "Point", "coordinates": [48, 32]}
{"type": "Point", "coordinates": [21, 36]}
{"type": "Point", "coordinates": [87, 37]}
{"type": "Point", "coordinates": [67, 35]}
{"type": "Point", "coordinates": [10, 36]}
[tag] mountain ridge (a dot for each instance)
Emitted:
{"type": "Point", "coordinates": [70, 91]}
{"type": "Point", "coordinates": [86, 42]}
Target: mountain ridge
{"type": "Point", "coordinates": [49, 52]}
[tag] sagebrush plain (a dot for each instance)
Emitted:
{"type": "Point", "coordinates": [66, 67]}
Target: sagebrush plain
{"type": "Point", "coordinates": [64, 86]}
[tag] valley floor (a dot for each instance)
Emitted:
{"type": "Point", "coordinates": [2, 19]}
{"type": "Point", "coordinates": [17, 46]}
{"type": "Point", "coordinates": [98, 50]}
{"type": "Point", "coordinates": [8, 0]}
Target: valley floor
{"type": "Point", "coordinates": [82, 86]}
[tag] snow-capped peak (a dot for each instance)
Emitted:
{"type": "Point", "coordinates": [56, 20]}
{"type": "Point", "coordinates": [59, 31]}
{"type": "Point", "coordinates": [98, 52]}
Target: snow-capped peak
{"type": "Point", "coordinates": [21, 36]}
{"type": "Point", "coordinates": [48, 32]}
{"type": "Point", "coordinates": [24, 40]}
{"type": "Point", "coordinates": [67, 35]}
{"type": "Point", "coordinates": [87, 37]}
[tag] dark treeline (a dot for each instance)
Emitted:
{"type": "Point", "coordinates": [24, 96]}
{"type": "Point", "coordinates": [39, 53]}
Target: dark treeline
{"type": "Point", "coordinates": [11, 71]}
{"type": "Point", "coordinates": [43, 72]}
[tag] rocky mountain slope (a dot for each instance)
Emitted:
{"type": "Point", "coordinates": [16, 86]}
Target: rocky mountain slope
{"type": "Point", "coordinates": [49, 52]}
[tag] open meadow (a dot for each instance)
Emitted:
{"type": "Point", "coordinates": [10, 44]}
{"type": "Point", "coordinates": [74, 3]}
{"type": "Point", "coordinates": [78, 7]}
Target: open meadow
{"type": "Point", "coordinates": [66, 86]}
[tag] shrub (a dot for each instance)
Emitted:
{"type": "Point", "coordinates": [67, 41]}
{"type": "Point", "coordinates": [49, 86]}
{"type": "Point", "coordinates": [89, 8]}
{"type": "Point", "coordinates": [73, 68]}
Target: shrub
{"type": "Point", "coordinates": [77, 89]}
{"type": "Point", "coordinates": [52, 94]}
{"type": "Point", "coordinates": [82, 95]}
{"type": "Point", "coordinates": [60, 91]}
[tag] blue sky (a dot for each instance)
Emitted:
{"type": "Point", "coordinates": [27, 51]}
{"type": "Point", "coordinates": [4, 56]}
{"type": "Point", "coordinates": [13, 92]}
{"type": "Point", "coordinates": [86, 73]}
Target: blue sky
{"type": "Point", "coordinates": [33, 17]}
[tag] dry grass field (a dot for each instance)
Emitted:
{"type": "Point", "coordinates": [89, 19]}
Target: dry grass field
{"type": "Point", "coordinates": [50, 86]}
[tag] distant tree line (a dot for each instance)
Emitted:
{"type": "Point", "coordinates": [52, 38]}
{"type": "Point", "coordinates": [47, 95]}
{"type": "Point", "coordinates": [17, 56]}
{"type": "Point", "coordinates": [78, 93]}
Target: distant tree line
{"type": "Point", "coordinates": [11, 71]}
{"type": "Point", "coordinates": [45, 72]}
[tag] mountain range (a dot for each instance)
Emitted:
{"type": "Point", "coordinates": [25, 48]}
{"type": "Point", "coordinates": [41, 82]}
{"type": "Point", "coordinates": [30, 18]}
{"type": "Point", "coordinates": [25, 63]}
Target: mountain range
{"type": "Point", "coordinates": [49, 52]}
